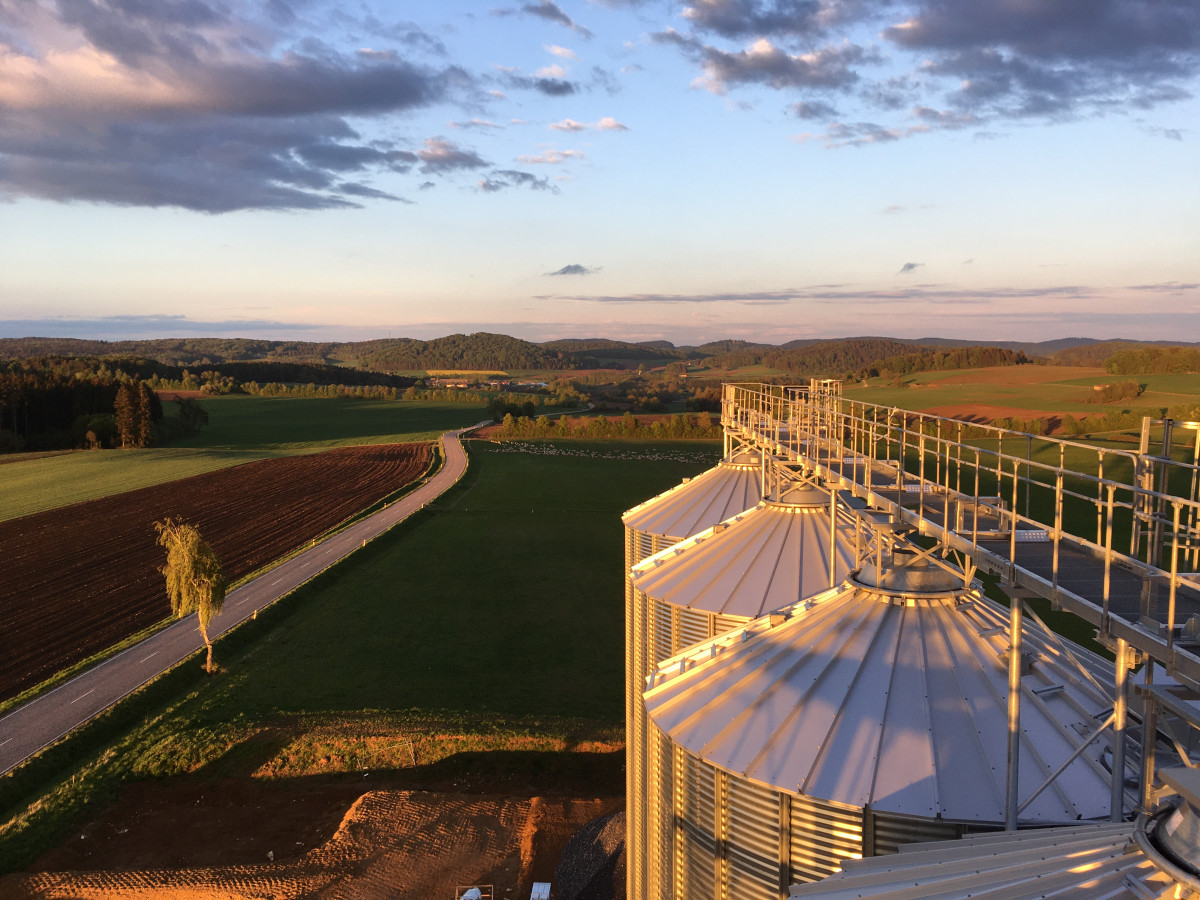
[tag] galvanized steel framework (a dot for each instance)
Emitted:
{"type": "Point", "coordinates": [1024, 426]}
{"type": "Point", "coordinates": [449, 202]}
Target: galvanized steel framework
{"type": "Point", "coordinates": [1017, 505]}
{"type": "Point", "coordinates": [1111, 535]}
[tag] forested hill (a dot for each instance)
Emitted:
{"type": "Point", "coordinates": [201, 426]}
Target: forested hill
{"type": "Point", "coordinates": [497, 352]}
{"type": "Point", "coordinates": [463, 352]}
{"type": "Point", "coordinates": [820, 358]}
{"type": "Point", "coordinates": [173, 351]}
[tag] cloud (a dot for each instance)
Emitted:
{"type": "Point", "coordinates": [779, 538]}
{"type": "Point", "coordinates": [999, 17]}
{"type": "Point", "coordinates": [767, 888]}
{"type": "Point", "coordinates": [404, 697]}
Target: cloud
{"type": "Point", "coordinates": [552, 157]}
{"type": "Point", "coordinates": [909, 267]}
{"type": "Point", "coordinates": [574, 269]}
{"type": "Point", "coordinates": [562, 52]}
{"type": "Point", "coordinates": [475, 123]}
{"type": "Point", "coordinates": [1045, 58]}
{"type": "Point", "coordinates": [500, 179]}
{"type": "Point", "coordinates": [806, 109]}
{"type": "Point", "coordinates": [829, 68]}
{"type": "Point", "coordinates": [1171, 134]}
{"type": "Point", "coordinates": [548, 10]}
{"type": "Point", "coordinates": [608, 123]}
{"type": "Point", "coordinates": [182, 104]}
{"type": "Point", "coordinates": [552, 12]}
{"type": "Point", "coordinates": [354, 189]}
{"type": "Point", "coordinates": [551, 87]}
{"type": "Point", "coordinates": [150, 326]}
{"type": "Point", "coordinates": [837, 294]}
{"type": "Point", "coordinates": [1036, 59]}
{"type": "Point", "coordinates": [411, 35]}
{"type": "Point", "coordinates": [1166, 287]}
{"type": "Point", "coordinates": [859, 134]}
{"type": "Point", "coordinates": [762, 298]}
{"type": "Point", "coordinates": [554, 71]}
{"type": "Point", "coordinates": [605, 81]}
{"type": "Point", "coordinates": [749, 18]}
{"type": "Point", "coordinates": [439, 156]}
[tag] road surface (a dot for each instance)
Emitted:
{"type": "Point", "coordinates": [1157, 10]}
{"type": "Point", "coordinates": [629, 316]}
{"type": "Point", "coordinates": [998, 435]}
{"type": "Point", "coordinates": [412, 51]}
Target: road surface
{"type": "Point", "coordinates": [42, 721]}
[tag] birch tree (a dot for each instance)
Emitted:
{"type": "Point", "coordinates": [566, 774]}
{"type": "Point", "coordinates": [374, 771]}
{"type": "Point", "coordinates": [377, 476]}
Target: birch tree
{"type": "Point", "coordinates": [195, 581]}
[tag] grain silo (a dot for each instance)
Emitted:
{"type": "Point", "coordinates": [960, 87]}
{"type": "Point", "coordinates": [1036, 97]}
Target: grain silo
{"type": "Point", "coordinates": [1155, 856]}
{"type": "Point", "coordinates": [730, 487]}
{"type": "Point", "coordinates": [786, 549]}
{"type": "Point", "coordinates": [872, 715]}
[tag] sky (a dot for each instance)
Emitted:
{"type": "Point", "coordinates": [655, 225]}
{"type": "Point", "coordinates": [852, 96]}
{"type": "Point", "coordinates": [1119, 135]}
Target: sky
{"type": "Point", "coordinates": [633, 169]}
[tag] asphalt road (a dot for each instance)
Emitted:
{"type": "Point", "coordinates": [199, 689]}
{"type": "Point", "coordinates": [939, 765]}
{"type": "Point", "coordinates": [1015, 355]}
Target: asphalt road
{"type": "Point", "coordinates": [42, 721]}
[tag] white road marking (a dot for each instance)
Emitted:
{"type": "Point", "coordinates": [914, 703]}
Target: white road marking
{"type": "Point", "coordinates": [81, 696]}
{"type": "Point", "coordinates": [155, 653]}
{"type": "Point", "coordinates": [5, 741]}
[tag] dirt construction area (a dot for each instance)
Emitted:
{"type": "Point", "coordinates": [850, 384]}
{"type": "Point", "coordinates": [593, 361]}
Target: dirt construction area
{"type": "Point", "coordinates": [248, 840]}
{"type": "Point", "coordinates": [80, 578]}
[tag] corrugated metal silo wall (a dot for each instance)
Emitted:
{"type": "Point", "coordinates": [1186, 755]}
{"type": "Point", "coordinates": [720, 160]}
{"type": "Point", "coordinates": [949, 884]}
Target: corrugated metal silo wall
{"type": "Point", "coordinates": [639, 545]}
{"type": "Point", "coordinates": [655, 631]}
{"type": "Point", "coordinates": [712, 834]}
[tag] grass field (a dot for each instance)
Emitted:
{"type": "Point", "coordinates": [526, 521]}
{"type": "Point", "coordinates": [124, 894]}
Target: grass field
{"type": "Point", "coordinates": [240, 429]}
{"type": "Point", "coordinates": [492, 621]}
{"type": "Point", "coordinates": [1038, 389]}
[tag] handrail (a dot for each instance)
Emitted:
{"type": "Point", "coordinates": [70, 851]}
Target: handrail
{"type": "Point", "coordinates": [1025, 486]}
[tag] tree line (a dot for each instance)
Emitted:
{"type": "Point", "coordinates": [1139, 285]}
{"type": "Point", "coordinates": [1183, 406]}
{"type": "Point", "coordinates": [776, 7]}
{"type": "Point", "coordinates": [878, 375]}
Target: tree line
{"type": "Point", "coordinates": [1154, 361]}
{"type": "Point", "coordinates": [687, 426]}
{"type": "Point", "coordinates": [52, 411]}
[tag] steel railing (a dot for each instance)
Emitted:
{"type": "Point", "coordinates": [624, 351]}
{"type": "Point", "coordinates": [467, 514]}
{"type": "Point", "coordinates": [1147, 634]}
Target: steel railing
{"type": "Point", "coordinates": [1075, 522]}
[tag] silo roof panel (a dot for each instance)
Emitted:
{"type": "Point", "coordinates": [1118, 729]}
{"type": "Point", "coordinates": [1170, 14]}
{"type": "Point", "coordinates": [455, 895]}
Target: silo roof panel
{"type": "Point", "coordinates": [1084, 861]}
{"type": "Point", "coordinates": [762, 560]}
{"type": "Point", "coordinates": [689, 508]}
{"type": "Point", "coordinates": [897, 702]}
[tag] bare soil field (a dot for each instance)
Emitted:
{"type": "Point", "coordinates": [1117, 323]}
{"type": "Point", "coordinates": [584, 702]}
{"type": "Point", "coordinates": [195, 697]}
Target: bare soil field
{"type": "Point", "coordinates": [79, 578]}
{"type": "Point", "coordinates": [335, 840]}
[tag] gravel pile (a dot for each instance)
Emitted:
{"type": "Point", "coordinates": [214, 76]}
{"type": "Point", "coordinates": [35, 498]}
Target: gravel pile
{"type": "Point", "coordinates": [593, 862]}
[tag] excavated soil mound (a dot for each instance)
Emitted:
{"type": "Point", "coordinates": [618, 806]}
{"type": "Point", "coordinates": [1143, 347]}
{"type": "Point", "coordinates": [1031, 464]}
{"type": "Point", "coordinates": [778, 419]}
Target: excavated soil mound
{"type": "Point", "coordinates": [80, 578]}
{"type": "Point", "coordinates": [389, 843]}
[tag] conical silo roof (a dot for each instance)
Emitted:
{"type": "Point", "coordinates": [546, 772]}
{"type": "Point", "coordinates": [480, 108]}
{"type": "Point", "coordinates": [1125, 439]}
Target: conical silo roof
{"type": "Point", "coordinates": [890, 692]}
{"type": "Point", "coordinates": [731, 486]}
{"type": "Point", "coordinates": [772, 556]}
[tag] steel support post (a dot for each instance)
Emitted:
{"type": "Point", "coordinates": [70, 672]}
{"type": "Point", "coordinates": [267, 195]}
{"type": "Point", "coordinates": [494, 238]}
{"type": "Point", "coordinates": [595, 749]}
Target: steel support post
{"type": "Point", "coordinates": [1012, 801]}
{"type": "Point", "coordinates": [1119, 710]}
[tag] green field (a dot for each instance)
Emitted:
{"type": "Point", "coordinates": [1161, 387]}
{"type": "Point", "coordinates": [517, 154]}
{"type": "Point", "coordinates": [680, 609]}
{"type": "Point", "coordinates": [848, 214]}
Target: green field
{"type": "Point", "coordinates": [1062, 391]}
{"type": "Point", "coordinates": [240, 429]}
{"type": "Point", "coordinates": [487, 630]}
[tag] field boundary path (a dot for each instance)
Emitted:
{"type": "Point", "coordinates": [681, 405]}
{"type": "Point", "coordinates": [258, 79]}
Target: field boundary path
{"type": "Point", "coordinates": [40, 722]}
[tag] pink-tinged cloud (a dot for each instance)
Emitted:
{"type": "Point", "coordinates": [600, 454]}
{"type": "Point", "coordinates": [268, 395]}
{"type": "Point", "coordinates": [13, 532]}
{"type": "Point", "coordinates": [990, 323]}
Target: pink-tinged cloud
{"type": "Point", "coordinates": [552, 157]}
{"type": "Point", "coordinates": [608, 123]}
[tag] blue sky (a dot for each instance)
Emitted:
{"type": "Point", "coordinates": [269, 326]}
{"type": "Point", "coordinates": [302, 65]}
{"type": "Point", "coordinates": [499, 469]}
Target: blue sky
{"type": "Point", "coordinates": [757, 169]}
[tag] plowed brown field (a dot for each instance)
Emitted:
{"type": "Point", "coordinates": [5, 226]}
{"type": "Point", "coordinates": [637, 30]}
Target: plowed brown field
{"type": "Point", "coordinates": [80, 578]}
